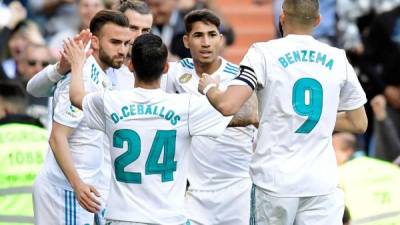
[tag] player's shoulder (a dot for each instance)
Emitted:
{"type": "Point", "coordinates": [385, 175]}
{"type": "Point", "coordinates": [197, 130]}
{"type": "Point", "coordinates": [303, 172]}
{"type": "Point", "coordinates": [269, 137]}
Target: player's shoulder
{"type": "Point", "coordinates": [186, 63]}
{"type": "Point", "coordinates": [229, 69]}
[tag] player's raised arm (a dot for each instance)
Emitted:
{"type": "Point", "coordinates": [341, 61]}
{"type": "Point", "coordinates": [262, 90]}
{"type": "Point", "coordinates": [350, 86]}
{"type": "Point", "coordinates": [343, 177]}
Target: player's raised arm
{"type": "Point", "coordinates": [76, 56]}
{"type": "Point", "coordinates": [43, 83]}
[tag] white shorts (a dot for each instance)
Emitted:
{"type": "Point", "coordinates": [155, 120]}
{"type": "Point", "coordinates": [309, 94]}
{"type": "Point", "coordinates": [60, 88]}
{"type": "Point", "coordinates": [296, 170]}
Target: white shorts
{"type": "Point", "coordinates": [228, 206]}
{"type": "Point", "coordinates": [57, 206]}
{"type": "Point", "coordinates": [321, 210]}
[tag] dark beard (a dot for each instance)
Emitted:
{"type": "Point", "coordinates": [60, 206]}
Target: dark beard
{"type": "Point", "coordinates": [106, 59]}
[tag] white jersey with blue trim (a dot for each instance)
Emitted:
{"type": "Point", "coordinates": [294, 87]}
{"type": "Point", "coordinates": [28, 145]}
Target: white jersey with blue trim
{"type": "Point", "coordinates": [150, 134]}
{"type": "Point", "coordinates": [215, 163]}
{"type": "Point", "coordinates": [301, 85]}
{"type": "Point", "coordinates": [86, 145]}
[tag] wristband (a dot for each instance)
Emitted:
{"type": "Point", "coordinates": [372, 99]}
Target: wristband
{"type": "Point", "coordinates": [208, 87]}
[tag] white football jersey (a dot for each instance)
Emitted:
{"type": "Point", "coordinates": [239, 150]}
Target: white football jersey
{"type": "Point", "coordinates": [215, 162]}
{"type": "Point", "coordinates": [301, 85]}
{"type": "Point", "coordinates": [149, 133]}
{"type": "Point", "coordinates": [86, 145]}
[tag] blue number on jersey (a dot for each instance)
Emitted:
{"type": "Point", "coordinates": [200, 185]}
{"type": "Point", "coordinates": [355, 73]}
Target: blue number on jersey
{"type": "Point", "coordinates": [311, 109]}
{"type": "Point", "coordinates": [164, 139]}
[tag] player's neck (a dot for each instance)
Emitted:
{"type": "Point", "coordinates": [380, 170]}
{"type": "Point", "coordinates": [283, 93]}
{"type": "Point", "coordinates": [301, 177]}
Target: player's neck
{"type": "Point", "coordinates": [297, 31]}
{"type": "Point", "coordinates": [208, 68]}
{"type": "Point", "coordinates": [147, 85]}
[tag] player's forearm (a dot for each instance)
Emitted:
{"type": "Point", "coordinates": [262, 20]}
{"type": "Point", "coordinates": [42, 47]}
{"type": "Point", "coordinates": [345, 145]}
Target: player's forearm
{"type": "Point", "coordinates": [77, 88]}
{"type": "Point", "coordinates": [344, 122]}
{"type": "Point", "coordinates": [247, 115]}
{"type": "Point", "coordinates": [43, 83]}
{"type": "Point", "coordinates": [60, 147]}
{"type": "Point", "coordinates": [222, 102]}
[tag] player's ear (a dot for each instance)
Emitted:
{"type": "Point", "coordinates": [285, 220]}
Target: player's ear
{"type": "Point", "coordinates": [186, 40]}
{"type": "Point", "coordinates": [95, 42]}
{"type": "Point", "coordinates": [317, 20]}
{"type": "Point", "coordinates": [130, 66]}
{"type": "Point", "coordinates": [166, 67]}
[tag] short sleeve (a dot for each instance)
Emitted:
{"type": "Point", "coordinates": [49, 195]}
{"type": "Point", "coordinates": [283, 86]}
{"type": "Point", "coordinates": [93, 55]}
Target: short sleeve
{"type": "Point", "coordinates": [352, 96]}
{"type": "Point", "coordinates": [93, 109]}
{"type": "Point", "coordinates": [204, 119]}
{"type": "Point", "coordinates": [169, 78]}
{"type": "Point", "coordinates": [254, 61]}
{"type": "Point", "coordinates": [64, 112]}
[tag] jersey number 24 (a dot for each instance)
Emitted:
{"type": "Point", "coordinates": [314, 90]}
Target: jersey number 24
{"type": "Point", "coordinates": [164, 139]}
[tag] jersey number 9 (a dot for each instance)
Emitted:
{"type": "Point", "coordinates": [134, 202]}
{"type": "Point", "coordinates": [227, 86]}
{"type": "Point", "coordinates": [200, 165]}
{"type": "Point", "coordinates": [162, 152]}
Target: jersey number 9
{"type": "Point", "coordinates": [307, 100]}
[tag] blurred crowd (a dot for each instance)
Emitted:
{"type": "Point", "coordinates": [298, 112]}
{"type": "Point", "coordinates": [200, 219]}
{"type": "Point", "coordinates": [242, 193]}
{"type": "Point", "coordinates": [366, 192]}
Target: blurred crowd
{"type": "Point", "coordinates": [32, 31]}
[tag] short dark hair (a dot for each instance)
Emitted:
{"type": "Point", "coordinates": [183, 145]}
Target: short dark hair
{"type": "Point", "coordinates": [107, 16]}
{"type": "Point", "coordinates": [149, 56]}
{"type": "Point", "coordinates": [140, 7]}
{"type": "Point", "coordinates": [301, 12]}
{"type": "Point", "coordinates": [204, 15]}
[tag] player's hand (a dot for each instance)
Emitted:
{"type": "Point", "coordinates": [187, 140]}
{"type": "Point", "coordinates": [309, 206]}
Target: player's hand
{"type": "Point", "coordinates": [64, 66]}
{"type": "Point", "coordinates": [207, 80]}
{"type": "Point", "coordinates": [86, 197]}
{"type": "Point", "coordinates": [74, 53]}
{"type": "Point", "coordinates": [378, 104]}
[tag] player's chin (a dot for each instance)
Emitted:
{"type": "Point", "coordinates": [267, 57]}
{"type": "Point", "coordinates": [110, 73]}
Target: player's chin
{"type": "Point", "coordinates": [206, 60]}
{"type": "Point", "coordinates": [116, 64]}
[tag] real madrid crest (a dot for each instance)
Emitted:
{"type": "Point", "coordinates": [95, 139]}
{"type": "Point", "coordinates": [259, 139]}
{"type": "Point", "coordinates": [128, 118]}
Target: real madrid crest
{"type": "Point", "coordinates": [185, 78]}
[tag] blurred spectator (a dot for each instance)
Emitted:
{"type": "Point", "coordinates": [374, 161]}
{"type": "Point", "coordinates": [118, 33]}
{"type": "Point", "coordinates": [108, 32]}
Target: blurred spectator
{"type": "Point", "coordinates": [379, 67]}
{"type": "Point", "coordinates": [344, 144]}
{"type": "Point", "coordinates": [168, 24]}
{"type": "Point", "coordinates": [350, 13]}
{"type": "Point", "coordinates": [34, 59]}
{"type": "Point", "coordinates": [12, 15]}
{"type": "Point", "coordinates": [87, 9]}
{"type": "Point", "coordinates": [23, 143]}
{"type": "Point", "coordinates": [371, 189]}
{"type": "Point", "coordinates": [55, 15]}
{"type": "Point", "coordinates": [354, 26]}
{"type": "Point", "coordinates": [13, 99]}
{"type": "Point", "coordinates": [24, 33]}
{"type": "Point", "coordinates": [388, 148]}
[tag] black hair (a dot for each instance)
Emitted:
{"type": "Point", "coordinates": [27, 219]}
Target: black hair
{"type": "Point", "coordinates": [149, 56]}
{"type": "Point", "coordinates": [107, 16]}
{"type": "Point", "coordinates": [204, 15]}
{"type": "Point", "coordinates": [13, 91]}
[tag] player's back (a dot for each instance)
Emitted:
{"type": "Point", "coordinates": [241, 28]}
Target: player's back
{"type": "Point", "coordinates": [302, 88]}
{"type": "Point", "coordinates": [150, 132]}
